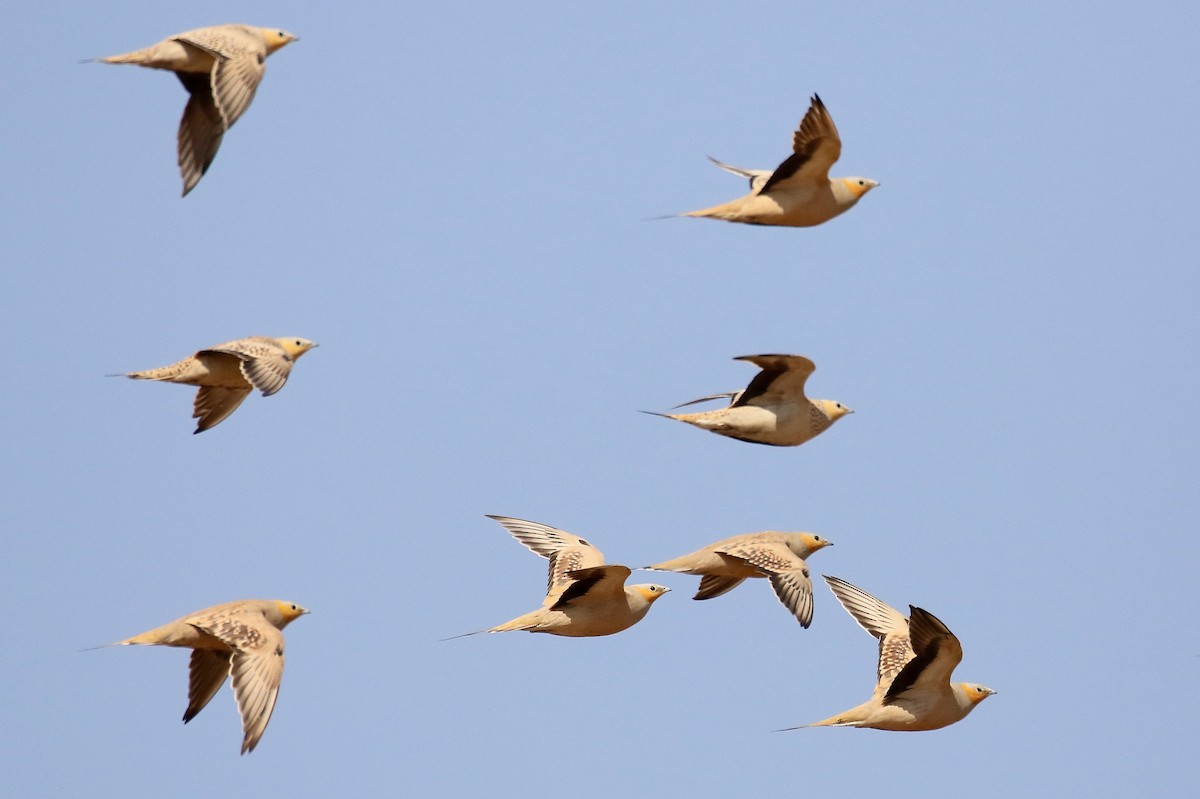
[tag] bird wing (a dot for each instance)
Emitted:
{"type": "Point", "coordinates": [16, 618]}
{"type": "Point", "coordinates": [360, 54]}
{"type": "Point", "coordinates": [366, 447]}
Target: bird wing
{"type": "Point", "coordinates": [815, 147]}
{"type": "Point", "coordinates": [200, 130]}
{"type": "Point", "coordinates": [567, 552]}
{"type": "Point", "coordinates": [882, 621]}
{"type": "Point", "coordinates": [756, 177]}
{"type": "Point", "coordinates": [234, 82]}
{"type": "Point", "coordinates": [256, 665]}
{"type": "Point", "coordinates": [732, 396]}
{"type": "Point", "coordinates": [788, 574]}
{"type": "Point", "coordinates": [214, 404]}
{"type": "Point", "coordinates": [938, 652]}
{"type": "Point", "coordinates": [240, 58]}
{"type": "Point", "coordinates": [264, 363]}
{"type": "Point", "coordinates": [207, 671]}
{"type": "Point", "coordinates": [713, 585]}
{"type": "Point", "coordinates": [794, 589]}
{"type": "Point", "coordinates": [782, 378]}
{"type": "Point", "coordinates": [591, 585]}
{"type": "Point", "coordinates": [256, 676]}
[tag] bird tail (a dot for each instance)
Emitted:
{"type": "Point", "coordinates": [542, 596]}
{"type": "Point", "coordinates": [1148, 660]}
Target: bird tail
{"type": "Point", "coordinates": [656, 413]}
{"type": "Point", "coordinates": [168, 373]}
{"type": "Point", "coordinates": [529, 621]}
{"type": "Point", "coordinates": [847, 718]}
{"type": "Point", "coordinates": [136, 57]}
{"type": "Point", "coordinates": [464, 635]}
{"type": "Point", "coordinates": [159, 635]}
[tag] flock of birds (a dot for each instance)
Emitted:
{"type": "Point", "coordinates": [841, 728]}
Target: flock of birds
{"type": "Point", "coordinates": [221, 68]}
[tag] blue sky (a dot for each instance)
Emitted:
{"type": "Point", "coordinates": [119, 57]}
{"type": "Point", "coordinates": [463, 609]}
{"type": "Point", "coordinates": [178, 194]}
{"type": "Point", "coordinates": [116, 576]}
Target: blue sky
{"type": "Point", "coordinates": [452, 199]}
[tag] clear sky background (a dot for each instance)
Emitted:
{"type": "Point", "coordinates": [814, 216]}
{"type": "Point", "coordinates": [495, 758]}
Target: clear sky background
{"type": "Point", "coordinates": [452, 199]}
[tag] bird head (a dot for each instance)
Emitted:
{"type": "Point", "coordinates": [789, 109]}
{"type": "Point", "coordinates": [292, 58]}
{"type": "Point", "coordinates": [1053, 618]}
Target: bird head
{"type": "Point", "coordinates": [857, 187]}
{"type": "Point", "coordinates": [295, 347]}
{"type": "Point", "coordinates": [289, 611]}
{"type": "Point", "coordinates": [276, 38]}
{"type": "Point", "coordinates": [650, 591]}
{"type": "Point", "coordinates": [812, 542]}
{"type": "Point", "coordinates": [832, 409]}
{"type": "Point", "coordinates": [974, 692]}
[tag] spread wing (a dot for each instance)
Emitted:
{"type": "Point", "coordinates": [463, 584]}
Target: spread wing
{"type": "Point", "coordinates": [234, 82]}
{"type": "Point", "coordinates": [713, 585]}
{"type": "Point", "coordinates": [240, 62]}
{"type": "Point", "coordinates": [214, 404]}
{"type": "Point", "coordinates": [782, 379]}
{"type": "Point", "coordinates": [264, 363]}
{"type": "Point", "coordinates": [882, 621]}
{"type": "Point", "coordinates": [200, 130]}
{"type": "Point", "coordinates": [206, 674]}
{"type": "Point", "coordinates": [566, 552]}
{"type": "Point", "coordinates": [256, 677]}
{"type": "Point", "coordinates": [788, 574]}
{"type": "Point", "coordinates": [815, 147]}
{"type": "Point", "coordinates": [256, 666]}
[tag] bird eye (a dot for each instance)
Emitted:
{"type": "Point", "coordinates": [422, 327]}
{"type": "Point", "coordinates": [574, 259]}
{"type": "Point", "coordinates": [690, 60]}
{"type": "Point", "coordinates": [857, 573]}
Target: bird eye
{"type": "Point", "coordinates": [282, 35]}
{"type": "Point", "coordinates": [293, 607]}
{"type": "Point", "coordinates": [862, 183]}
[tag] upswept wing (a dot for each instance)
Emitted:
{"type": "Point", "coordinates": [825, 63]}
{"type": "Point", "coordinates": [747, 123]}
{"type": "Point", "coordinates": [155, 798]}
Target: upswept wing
{"type": "Point", "coordinates": [816, 145]}
{"type": "Point", "coordinates": [782, 379]}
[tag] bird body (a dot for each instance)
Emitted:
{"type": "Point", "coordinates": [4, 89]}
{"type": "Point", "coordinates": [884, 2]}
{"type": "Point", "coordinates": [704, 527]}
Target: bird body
{"type": "Point", "coordinates": [773, 409]}
{"type": "Point", "coordinates": [917, 656]}
{"type": "Point", "coordinates": [227, 373]}
{"type": "Point", "coordinates": [242, 639]}
{"type": "Point", "coordinates": [777, 556]}
{"type": "Point", "coordinates": [603, 605]}
{"type": "Point", "coordinates": [584, 597]}
{"type": "Point", "coordinates": [799, 192]}
{"type": "Point", "coordinates": [801, 206]}
{"type": "Point", "coordinates": [221, 68]}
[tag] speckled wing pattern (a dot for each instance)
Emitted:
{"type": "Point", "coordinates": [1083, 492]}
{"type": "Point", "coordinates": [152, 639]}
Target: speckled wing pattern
{"type": "Point", "coordinates": [816, 146]}
{"type": "Point", "coordinates": [788, 574]}
{"type": "Point", "coordinates": [882, 621]}
{"type": "Point", "coordinates": [782, 379]}
{"type": "Point", "coordinates": [566, 552]}
{"type": "Point", "coordinates": [219, 99]}
{"type": "Point", "coordinates": [264, 363]}
{"type": "Point", "coordinates": [256, 665]}
{"type": "Point", "coordinates": [240, 56]}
